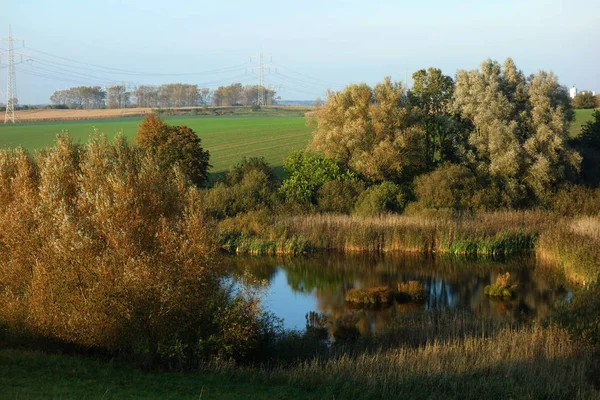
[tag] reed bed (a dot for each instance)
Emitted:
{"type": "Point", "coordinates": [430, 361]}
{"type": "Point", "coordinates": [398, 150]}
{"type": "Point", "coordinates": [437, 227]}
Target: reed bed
{"type": "Point", "coordinates": [444, 355]}
{"type": "Point", "coordinates": [574, 247]}
{"type": "Point", "coordinates": [492, 234]}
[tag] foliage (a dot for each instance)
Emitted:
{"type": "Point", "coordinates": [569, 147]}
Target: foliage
{"type": "Point", "coordinates": [431, 98]}
{"type": "Point", "coordinates": [379, 199]}
{"type": "Point", "coordinates": [585, 100]}
{"type": "Point", "coordinates": [174, 145]}
{"type": "Point", "coordinates": [306, 173]}
{"type": "Point", "coordinates": [588, 145]}
{"type": "Point", "coordinates": [501, 288]}
{"type": "Point", "coordinates": [576, 200]}
{"type": "Point", "coordinates": [103, 249]}
{"type": "Point", "coordinates": [339, 196]}
{"type": "Point", "coordinates": [371, 131]}
{"type": "Point", "coordinates": [370, 296]}
{"type": "Point", "coordinates": [450, 186]}
{"type": "Point", "coordinates": [519, 140]}
{"type": "Point", "coordinates": [250, 185]}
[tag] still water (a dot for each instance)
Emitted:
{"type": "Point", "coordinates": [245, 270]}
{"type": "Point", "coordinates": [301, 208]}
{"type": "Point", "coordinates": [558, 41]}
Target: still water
{"type": "Point", "coordinates": [300, 285]}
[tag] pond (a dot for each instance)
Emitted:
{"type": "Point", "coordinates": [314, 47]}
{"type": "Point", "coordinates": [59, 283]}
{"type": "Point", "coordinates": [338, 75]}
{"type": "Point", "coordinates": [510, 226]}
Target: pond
{"type": "Point", "coordinates": [319, 283]}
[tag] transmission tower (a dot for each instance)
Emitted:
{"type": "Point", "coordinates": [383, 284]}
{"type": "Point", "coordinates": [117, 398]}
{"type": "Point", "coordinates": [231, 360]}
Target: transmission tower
{"type": "Point", "coordinates": [11, 90]}
{"type": "Point", "coordinates": [261, 77]}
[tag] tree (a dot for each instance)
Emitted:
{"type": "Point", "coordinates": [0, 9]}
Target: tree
{"type": "Point", "coordinates": [431, 97]}
{"type": "Point", "coordinates": [371, 131]}
{"type": "Point", "coordinates": [306, 173]}
{"type": "Point", "coordinates": [520, 126]}
{"type": "Point", "coordinates": [588, 145]}
{"type": "Point", "coordinates": [174, 145]}
{"type": "Point", "coordinates": [585, 100]}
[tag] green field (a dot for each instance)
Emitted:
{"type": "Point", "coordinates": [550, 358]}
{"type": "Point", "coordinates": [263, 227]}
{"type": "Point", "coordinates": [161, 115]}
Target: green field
{"type": "Point", "coordinates": [228, 139]}
{"type": "Point", "coordinates": [581, 117]}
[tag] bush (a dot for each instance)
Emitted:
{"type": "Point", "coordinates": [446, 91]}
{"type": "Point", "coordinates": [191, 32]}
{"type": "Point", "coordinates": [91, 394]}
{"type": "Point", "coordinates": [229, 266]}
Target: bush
{"type": "Point", "coordinates": [174, 145]}
{"type": "Point", "coordinates": [339, 196]}
{"type": "Point", "coordinates": [577, 200]}
{"type": "Point", "coordinates": [101, 248]}
{"type": "Point", "coordinates": [501, 288]}
{"type": "Point", "coordinates": [450, 186]}
{"type": "Point", "coordinates": [248, 186]}
{"type": "Point", "coordinates": [370, 296]}
{"type": "Point", "coordinates": [255, 107]}
{"type": "Point", "coordinates": [306, 173]}
{"type": "Point", "coordinates": [379, 199]}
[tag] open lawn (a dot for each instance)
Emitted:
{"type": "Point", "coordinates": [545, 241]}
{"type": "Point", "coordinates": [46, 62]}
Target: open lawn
{"type": "Point", "coordinates": [228, 139]}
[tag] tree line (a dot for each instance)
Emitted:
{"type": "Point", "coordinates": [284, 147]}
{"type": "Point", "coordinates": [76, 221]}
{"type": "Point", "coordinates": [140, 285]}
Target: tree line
{"type": "Point", "coordinates": [162, 96]}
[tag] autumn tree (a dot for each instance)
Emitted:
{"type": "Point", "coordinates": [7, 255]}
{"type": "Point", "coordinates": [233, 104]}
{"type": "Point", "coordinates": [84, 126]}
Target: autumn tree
{"type": "Point", "coordinates": [174, 145]}
{"type": "Point", "coordinates": [520, 126]}
{"type": "Point", "coordinates": [371, 131]}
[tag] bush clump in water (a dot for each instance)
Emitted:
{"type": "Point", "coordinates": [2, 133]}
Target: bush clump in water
{"type": "Point", "coordinates": [381, 295]}
{"type": "Point", "coordinates": [501, 288]}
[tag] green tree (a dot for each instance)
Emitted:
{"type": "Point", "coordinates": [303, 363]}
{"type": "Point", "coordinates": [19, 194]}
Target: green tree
{"type": "Point", "coordinates": [371, 131]}
{"type": "Point", "coordinates": [588, 145]}
{"type": "Point", "coordinates": [174, 145]}
{"type": "Point", "coordinates": [520, 126]}
{"type": "Point", "coordinates": [431, 98]}
{"type": "Point", "coordinates": [585, 100]}
{"type": "Point", "coordinates": [306, 173]}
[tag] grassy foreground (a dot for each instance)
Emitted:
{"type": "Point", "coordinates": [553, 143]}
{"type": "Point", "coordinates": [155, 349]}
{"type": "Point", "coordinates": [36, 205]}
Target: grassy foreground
{"type": "Point", "coordinates": [228, 139]}
{"type": "Point", "coordinates": [428, 355]}
{"type": "Point", "coordinates": [29, 374]}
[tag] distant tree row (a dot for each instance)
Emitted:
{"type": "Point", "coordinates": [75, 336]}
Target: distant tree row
{"type": "Point", "coordinates": [586, 100]}
{"type": "Point", "coordinates": [163, 96]}
{"type": "Point", "coordinates": [236, 94]}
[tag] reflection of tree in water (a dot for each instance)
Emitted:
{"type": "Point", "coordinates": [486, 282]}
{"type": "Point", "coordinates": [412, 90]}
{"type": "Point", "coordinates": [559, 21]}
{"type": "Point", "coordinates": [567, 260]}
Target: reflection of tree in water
{"type": "Point", "coordinates": [450, 283]}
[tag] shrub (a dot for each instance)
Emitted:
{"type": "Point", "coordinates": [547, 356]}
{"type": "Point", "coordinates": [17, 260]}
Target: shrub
{"type": "Point", "coordinates": [501, 288]}
{"type": "Point", "coordinates": [174, 145]}
{"type": "Point", "coordinates": [306, 173]}
{"type": "Point", "coordinates": [370, 296]}
{"type": "Point", "coordinates": [339, 196]}
{"type": "Point", "coordinates": [103, 249]}
{"type": "Point", "coordinates": [577, 200]}
{"type": "Point", "coordinates": [255, 107]}
{"type": "Point", "coordinates": [379, 199]}
{"type": "Point", "coordinates": [450, 186]}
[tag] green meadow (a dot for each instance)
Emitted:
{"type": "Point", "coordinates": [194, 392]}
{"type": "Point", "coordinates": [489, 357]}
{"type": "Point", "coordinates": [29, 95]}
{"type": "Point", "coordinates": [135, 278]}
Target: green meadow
{"type": "Point", "coordinates": [581, 117]}
{"type": "Point", "coordinates": [228, 139]}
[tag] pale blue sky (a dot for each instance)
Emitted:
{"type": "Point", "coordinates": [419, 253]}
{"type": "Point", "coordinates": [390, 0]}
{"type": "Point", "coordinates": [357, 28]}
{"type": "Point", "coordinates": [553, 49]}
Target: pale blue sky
{"type": "Point", "coordinates": [314, 44]}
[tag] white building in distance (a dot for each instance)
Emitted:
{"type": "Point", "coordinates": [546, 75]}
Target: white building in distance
{"type": "Point", "coordinates": [573, 92]}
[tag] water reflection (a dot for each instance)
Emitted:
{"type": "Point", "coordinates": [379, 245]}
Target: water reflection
{"type": "Point", "coordinates": [298, 286]}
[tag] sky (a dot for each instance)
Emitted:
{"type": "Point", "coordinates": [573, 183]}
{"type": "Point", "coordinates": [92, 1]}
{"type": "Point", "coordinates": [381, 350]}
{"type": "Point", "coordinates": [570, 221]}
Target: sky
{"type": "Point", "coordinates": [308, 46]}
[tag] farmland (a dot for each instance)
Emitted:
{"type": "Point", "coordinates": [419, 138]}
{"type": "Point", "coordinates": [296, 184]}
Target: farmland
{"type": "Point", "coordinates": [228, 139]}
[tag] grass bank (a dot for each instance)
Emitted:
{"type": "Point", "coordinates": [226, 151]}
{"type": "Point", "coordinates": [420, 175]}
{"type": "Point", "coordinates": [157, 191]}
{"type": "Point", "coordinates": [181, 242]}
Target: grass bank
{"type": "Point", "coordinates": [422, 355]}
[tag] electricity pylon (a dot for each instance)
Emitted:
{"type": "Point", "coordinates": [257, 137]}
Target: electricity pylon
{"type": "Point", "coordinates": [11, 90]}
{"type": "Point", "coordinates": [261, 76]}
